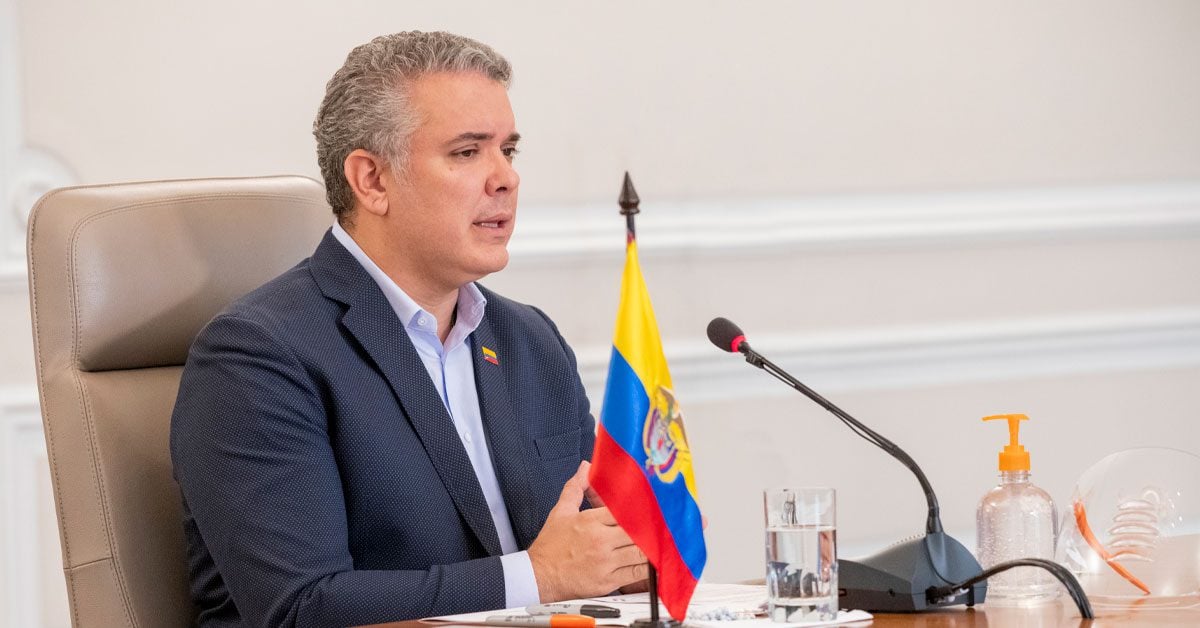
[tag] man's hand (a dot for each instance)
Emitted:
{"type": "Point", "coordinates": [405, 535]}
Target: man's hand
{"type": "Point", "coordinates": [643, 585]}
{"type": "Point", "coordinates": [582, 554]}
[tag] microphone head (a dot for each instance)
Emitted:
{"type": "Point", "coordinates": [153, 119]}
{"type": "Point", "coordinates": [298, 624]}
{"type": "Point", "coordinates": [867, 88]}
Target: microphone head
{"type": "Point", "coordinates": [726, 334]}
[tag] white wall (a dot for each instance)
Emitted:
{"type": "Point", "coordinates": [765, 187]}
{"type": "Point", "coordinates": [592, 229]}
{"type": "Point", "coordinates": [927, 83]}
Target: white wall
{"type": "Point", "coordinates": [931, 210]}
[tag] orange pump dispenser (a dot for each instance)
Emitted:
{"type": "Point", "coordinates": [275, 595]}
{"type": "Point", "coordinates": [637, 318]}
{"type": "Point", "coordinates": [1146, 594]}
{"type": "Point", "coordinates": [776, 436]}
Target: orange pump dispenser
{"type": "Point", "coordinates": [1014, 457]}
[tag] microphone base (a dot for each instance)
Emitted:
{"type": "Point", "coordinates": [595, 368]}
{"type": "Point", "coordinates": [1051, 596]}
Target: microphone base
{"type": "Point", "coordinates": [896, 579]}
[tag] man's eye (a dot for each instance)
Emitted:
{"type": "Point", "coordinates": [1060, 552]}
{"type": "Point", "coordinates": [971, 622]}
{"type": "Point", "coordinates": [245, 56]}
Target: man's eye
{"type": "Point", "coordinates": [470, 152]}
{"type": "Point", "coordinates": [511, 151]}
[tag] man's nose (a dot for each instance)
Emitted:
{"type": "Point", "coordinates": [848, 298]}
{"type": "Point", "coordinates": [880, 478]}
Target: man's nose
{"type": "Point", "coordinates": [504, 177]}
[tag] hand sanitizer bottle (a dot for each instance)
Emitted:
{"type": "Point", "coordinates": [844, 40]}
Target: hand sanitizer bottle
{"type": "Point", "coordinates": [1016, 520]}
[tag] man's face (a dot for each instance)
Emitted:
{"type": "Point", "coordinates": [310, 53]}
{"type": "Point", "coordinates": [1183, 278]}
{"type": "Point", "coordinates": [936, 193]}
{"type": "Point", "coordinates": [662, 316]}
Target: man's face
{"type": "Point", "coordinates": [452, 208]}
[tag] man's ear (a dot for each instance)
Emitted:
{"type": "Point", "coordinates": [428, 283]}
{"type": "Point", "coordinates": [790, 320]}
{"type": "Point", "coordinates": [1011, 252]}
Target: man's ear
{"type": "Point", "coordinates": [365, 172]}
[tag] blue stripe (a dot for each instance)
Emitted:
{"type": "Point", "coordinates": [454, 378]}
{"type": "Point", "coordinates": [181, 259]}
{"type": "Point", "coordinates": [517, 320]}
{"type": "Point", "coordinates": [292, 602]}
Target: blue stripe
{"type": "Point", "coordinates": [623, 415]}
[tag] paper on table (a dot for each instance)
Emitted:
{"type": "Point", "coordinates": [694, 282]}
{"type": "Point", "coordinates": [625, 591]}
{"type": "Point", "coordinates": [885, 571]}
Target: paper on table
{"type": "Point", "coordinates": [707, 598]}
{"type": "Point", "coordinates": [843, 617]}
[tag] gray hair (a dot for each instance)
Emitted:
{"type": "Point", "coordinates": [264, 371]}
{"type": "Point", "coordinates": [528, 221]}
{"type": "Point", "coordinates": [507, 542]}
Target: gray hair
{"type": "Point", "coordinates": [366, 102]}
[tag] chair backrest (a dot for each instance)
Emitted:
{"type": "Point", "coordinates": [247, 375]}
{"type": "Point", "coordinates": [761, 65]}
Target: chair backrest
{"type": "Point", "coordinates": [121, 279]}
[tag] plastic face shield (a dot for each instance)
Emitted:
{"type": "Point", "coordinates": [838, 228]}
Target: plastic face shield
{"type": "Point", "coordinates": [1131, 533]}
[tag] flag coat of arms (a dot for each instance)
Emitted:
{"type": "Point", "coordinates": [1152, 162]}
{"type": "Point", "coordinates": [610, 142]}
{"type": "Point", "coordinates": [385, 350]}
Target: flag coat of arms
{"type": "Point", "coordinates": [642, 464]}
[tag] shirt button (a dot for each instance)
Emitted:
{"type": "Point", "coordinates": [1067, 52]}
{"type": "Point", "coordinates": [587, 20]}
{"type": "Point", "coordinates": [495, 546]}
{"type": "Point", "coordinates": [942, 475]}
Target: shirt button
{"type": "Point", "coordinates": [467, 438]}
{"type": "Point", "coordinates": [421, 321]}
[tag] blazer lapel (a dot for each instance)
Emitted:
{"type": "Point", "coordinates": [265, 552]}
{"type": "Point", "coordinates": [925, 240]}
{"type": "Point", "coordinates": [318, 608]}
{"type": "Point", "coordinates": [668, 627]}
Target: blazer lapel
{"type": "Point", "coordinates": [373, 322]}
{"type": "Point", "coordinates": [510, 456]}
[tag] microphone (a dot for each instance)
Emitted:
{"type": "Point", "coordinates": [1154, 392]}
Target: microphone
{"type": "Point", "coordinates": [914, 574]}
{"type": "Point", "coordinates": [901, 577]}
{"type": "Point", "coordinates": [726, 335]}
{"type": "Point", "coordinates": [729, 337]}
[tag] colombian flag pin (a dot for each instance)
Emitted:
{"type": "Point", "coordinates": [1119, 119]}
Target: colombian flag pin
{"type": "Point", "coordinates": [490, 356]}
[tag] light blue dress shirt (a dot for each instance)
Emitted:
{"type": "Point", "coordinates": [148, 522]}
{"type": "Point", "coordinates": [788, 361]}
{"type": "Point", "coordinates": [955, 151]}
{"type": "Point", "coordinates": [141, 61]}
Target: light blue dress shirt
{"type": "Point", "coordinates": [450, 368]}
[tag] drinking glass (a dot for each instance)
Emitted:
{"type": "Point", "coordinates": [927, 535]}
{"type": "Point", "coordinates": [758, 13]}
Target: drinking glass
{"type": "Point", "coordinates": [802, 566]}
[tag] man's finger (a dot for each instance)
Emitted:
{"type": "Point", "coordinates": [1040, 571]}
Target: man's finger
{"type": "Point", "coordinates": [641, 586]}
{"type": "Point", "coordinates": [602, 516]}
{"type": "Point", "coordinates": [594, 498]}
{"type": "Point", "coordinates": [630, 574]}
{"type": "Point", "coordinates": [629, 555]}
{"type": "Point", "coordinates": [614, 538]}
{"type": "Point", "coordinates": [572, 491]}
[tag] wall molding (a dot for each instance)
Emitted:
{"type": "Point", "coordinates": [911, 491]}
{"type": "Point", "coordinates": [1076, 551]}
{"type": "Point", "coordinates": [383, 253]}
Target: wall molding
{"type": "Point", "coordinates": [831, 222]}
{"type": "Point", "coordinates": [1161, 210]}
{"type": "Point", "coordinates": [23, 533]}
{"type": "Point", "coordinates": [13, 276]}
{"type": "Point", "coordinates": [26, 173]}
{"type": "Point", "coordinates": [880, 358]}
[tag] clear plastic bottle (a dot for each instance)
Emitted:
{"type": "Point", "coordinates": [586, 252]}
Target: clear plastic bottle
{"type": "Point", "coordinates": [1016, 520]}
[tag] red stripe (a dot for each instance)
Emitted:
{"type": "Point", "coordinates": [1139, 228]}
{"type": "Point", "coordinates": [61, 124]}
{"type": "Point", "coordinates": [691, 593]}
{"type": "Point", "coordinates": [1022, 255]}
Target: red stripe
{"type": "Point", "coordinates": [626, 491]}
{"type": "Point", "coordinates": [733, 346]}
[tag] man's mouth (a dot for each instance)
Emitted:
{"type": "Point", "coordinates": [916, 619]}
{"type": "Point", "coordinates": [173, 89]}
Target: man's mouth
{"type": "Point", "coordinates": [493, 223]}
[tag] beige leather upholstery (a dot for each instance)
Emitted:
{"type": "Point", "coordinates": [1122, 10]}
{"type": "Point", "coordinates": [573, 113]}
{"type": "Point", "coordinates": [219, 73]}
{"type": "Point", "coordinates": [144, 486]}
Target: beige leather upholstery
{"type": "Point", "coordinates": [121, 279]}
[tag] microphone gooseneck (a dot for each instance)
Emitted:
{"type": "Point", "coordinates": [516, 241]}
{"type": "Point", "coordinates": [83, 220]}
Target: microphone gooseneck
{"type": "Point", "coordinates": [727, 336]}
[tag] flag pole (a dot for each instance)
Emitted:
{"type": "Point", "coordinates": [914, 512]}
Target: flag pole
{"type": "Point", "coordinates": [629, 207]}
{"type": "Point", "coordinates": [629, 202]}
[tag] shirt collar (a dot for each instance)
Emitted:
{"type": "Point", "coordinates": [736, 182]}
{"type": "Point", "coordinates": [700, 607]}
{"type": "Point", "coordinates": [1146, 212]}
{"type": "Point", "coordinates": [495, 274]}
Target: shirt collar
{"type": "Point", "coordinates": [471, 302]}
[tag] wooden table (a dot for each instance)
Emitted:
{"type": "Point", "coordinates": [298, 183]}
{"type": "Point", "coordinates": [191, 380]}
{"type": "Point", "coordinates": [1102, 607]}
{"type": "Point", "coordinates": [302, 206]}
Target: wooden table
{"type": "Point", "coordinates": [1053, 615]}
{"type": "Point", "coordinates": [1059, 613]}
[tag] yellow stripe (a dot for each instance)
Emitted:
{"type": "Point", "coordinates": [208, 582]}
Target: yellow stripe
{"type": "Point", "coordinates": [637, 339]}
{"type": "Point", "coordinates": [636, 335]}
{"type": "Point", "coordinates": [488, 352]}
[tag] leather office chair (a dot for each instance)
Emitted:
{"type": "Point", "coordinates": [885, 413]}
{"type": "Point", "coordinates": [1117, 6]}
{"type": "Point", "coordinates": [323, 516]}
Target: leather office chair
{"type": "Point", "coordinates": [121, 278]}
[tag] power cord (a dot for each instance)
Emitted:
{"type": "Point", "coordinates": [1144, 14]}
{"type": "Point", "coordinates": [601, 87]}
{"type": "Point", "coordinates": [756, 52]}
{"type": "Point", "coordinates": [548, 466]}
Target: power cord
{"type": "Point", "coordinates": [935, 594]}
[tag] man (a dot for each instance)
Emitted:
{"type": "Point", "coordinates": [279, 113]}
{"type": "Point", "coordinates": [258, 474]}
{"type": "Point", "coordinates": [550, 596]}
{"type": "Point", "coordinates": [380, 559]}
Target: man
{"type": "Point", "coordinates": [372, 436]}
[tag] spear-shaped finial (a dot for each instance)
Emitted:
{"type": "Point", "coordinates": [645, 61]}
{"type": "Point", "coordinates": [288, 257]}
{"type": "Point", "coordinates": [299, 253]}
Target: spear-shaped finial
{"type": "Point", "coordinates": [629, 199]}
{"type": "Point", "coordinates": [629, 206]}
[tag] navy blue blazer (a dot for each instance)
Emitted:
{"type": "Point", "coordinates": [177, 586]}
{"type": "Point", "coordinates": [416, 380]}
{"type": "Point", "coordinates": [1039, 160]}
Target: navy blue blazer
{"type": "Point", "coordinates": [323, 481]}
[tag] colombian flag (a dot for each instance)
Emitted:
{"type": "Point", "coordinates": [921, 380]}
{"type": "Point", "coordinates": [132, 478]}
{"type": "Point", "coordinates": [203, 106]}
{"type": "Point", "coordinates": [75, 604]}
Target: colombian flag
{"type": "Point", "coordinates": [642, 465]}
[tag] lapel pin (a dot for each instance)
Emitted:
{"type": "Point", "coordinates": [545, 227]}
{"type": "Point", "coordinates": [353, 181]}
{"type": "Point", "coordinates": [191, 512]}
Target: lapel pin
{"type": "Point", "coordinates": [490, 356]}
